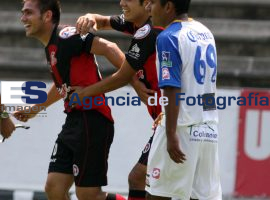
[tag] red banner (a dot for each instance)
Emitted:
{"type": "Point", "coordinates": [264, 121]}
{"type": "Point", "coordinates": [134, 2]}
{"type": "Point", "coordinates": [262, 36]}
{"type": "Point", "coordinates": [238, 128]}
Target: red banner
{"type": "Point", "coordinates": [253, 158]}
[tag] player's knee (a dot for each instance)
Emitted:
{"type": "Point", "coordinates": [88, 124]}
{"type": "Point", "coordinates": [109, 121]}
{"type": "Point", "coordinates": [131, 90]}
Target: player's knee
{"type": "Point", "coordinates": [55, 192]}
{"type": "Point", "coordinates": [88, 194]}
{"type": "Point", "coordinates": [50, 190]}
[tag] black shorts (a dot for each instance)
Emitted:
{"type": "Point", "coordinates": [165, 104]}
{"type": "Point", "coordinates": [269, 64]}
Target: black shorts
{"type": "Point", "coordinates": [82, 148]}
{"type": "Point", "coordinates": [145, 153]}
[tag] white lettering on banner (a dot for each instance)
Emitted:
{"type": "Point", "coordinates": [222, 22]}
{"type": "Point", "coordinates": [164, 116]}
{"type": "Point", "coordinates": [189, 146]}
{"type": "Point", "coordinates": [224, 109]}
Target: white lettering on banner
{"type": "Point", "coordinates": [257, 137]}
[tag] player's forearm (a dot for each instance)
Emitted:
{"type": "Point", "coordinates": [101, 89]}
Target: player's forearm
{"type": "Point", "coordinates": [102, 22]}
{"type": "Point", "coordinates": [171, 110]}
{"type": "Point", "coordinates": [115, 55]}
{"type": "Point", "coordinates": [52, 97]}
{"type": "Point", "coordinates": [108, 49]}
{"type": "Point", "coordinates": [119, 79]}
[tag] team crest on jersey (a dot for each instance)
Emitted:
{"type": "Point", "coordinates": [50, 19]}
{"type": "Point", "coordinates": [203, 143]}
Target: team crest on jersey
{"type": "Point", "coordinates": [166, 74]}
{"type": "Point", "coordinates": [75, 170]}
{"type": "Point", "coordinates": [67, 32]}
{"type": "Point", "coordinates": [147, 147]}
{"type": "Point", "coordinates": [166, 59]}
{"type": "Point", "coordinates": [142, 32]}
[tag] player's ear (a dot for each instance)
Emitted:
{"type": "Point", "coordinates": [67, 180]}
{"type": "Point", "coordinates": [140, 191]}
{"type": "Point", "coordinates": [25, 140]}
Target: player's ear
{"type": "Point", "coordinates": [169, 7]}
{"type": "Point", "coordinates": [47, 16]}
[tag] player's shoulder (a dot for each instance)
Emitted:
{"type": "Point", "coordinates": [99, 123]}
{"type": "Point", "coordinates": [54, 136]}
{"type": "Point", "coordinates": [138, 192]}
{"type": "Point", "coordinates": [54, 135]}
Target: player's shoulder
{"type": "Point", "coordinates": [147, 31]}
{"type": "Point", "coordinates": [142, 32]}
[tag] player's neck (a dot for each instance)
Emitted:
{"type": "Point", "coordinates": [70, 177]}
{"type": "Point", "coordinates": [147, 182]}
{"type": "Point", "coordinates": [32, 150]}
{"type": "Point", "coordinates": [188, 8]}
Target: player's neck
{"type": "Point", "coordinates": [182, 17]}
{"type": "Point", "coordinates": [141, 21]}
{"type": "Point", "coordinates": [46, 35]}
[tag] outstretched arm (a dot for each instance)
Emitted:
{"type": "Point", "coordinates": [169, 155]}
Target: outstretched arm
{"type": "Point", "coordinates": [92, 22]}
{"type": "Point", "coordinates": [108, 49]}
{"type": "Point", "coordinates": [120, 78]}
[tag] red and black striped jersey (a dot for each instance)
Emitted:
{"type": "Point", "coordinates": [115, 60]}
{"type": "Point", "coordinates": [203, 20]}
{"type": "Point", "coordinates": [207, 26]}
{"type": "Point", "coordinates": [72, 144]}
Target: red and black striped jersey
{"type": "Point", "coordinates": [142, 53]}
{"type": "Point", "coordinates": [72, 64]}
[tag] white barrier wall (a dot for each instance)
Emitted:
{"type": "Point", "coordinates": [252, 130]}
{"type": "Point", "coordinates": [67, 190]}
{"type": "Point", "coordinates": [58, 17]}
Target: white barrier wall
{"type": "Point", "coordinates": [24, 158]}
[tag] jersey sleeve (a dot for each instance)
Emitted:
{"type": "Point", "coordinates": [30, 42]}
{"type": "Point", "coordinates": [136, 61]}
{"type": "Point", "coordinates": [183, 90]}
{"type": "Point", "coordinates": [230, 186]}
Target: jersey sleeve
{"type": "Point", "coordinates": [142, 46]}
{"type": "Point", "coordinates": [169, 61]}
{"type": "Point", "coordinates": [74, 44]}
{"type": "Point", "coordinates": [118, 23]}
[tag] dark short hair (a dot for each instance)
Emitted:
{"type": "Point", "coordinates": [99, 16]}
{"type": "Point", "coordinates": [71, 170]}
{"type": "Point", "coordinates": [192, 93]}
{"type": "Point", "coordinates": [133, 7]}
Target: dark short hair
{"type": "Point", "coordinates": [181, 6]}
{"type": "Point", "coordinates": [141, 2]}
{"type": "Point", "coordinates": [52, 5]}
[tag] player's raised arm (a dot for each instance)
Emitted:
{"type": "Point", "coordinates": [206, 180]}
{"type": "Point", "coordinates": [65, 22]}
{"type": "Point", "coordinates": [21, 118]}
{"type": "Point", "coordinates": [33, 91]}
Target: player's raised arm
{"type": "Point", "coordinates": [92, 22]}
{"type": "Point", "coordinates": [108, 49]}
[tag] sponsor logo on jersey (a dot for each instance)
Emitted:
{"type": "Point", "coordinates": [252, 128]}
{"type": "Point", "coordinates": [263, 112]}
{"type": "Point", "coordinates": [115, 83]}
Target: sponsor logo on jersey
{"type": "Point", "coordinates": [142, 32]}
{"type": "Point", "coordinates": [166, 59]}
{"type": "Point", "coordinates": [134, 51]}
{"type": "Point", "coordinates": [203, 134]}
{"type": "Point", "coordinates": [122, 17]}
{"type": "Point", "coordinates": [135, 48]}
{"type": "Point", "coordinates": [53, 59]}
{"type": "Point", "coordinates": [166, 74]}
{"type": "Point", "coordinates": [55, 149]}
{"type": "Point", "coordinates": [191, 36]}
{"type": "Point", "coordinates": [75, 170]}
{"type": "Point", "coordinates": [156, 173]}
{"type": "Point", "coordinates": [194, 37]}
{"type": "Point", "coordinates": [67, 32]}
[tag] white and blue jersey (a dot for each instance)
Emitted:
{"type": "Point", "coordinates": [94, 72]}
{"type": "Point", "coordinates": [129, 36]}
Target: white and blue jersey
{"type": "Point", "coordinates": [186, 59]}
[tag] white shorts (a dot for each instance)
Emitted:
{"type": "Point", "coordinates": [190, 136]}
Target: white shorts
{"type": "Point", "coordinates": [198, 177]}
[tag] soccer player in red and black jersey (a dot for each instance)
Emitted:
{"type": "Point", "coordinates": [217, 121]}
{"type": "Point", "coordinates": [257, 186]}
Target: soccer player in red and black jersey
{"type": "Point", "coordinates": [77, 155]}
{"type": "Point", "coordinates": [140, 60]}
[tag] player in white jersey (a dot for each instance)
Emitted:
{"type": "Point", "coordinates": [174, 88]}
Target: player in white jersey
{"type": "Point", "coordinates": [183, 160]}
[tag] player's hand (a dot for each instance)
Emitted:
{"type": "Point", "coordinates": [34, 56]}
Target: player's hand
{"type": "Point", "coordinates": [7, 127]}
{"type": "Point", "coordinates": [157, 120]}
{"type": "Point", "coordinates": [77, 91]}
{"type": "Point", "coordinates": [173, 149]}
{"type": "Point", "coordinates": [24, 115]}
{"type": "Point", "coordinates": [85, 24]}
{"type": "Point", "coordinates": [143, 92]}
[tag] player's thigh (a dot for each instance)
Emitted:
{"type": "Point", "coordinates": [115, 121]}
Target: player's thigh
{"type": "Point", "coordinates": [138, 171]}
{"type": "Point", "coordinates": [165, 177]}
{"type": "Point", "coordinates": [145, 153]}
{"type": "Point", "coordinates": [91, 158]}
{"type": "Point", "coordinates": [59, 182]}
{"type": "Point", "coordinates": [207, 176]}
